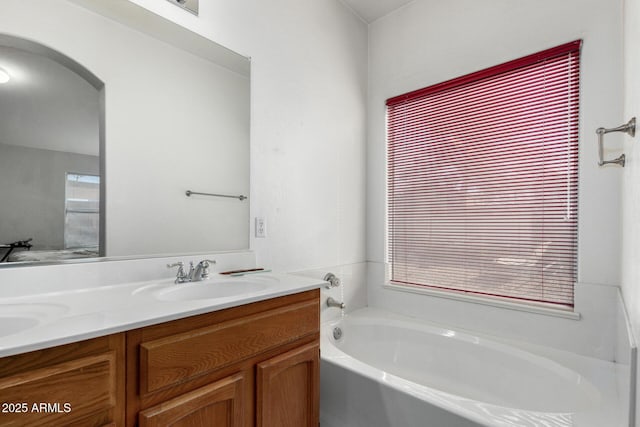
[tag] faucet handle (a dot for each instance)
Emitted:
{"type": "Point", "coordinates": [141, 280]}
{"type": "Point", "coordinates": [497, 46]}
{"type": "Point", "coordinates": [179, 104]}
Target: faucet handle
{"type": "Point", "coordinates": [332, 279]}
{"type": "Point", "coordinates": [205, 264]}
{"type": "Point", "coordinates": [179, 264]}
{"type": "Point", "coordinates": [180, 275]}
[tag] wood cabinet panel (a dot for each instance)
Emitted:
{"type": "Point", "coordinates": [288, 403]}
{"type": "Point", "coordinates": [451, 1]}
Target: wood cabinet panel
{"type": "Point", "coordinates": [86, 391]}
{"type": "Point", "coordinates": [178, 358]}
{"type": "Point", "coordinates": [219, 404]}
{"type": "Point", "coordinates": [288, 389]}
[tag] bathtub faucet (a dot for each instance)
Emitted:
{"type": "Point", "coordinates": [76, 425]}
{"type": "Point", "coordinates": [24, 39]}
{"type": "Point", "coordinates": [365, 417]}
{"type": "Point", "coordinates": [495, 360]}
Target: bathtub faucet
{"type": "Point", "coordinates": [333, 303]}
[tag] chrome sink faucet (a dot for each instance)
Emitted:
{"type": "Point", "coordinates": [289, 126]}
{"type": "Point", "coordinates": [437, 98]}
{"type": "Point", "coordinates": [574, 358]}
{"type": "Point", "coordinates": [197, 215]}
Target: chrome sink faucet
{"type": "Point", "coordinates": [195, 274]}
{"type": "Point", "coordinates": [201, 271]}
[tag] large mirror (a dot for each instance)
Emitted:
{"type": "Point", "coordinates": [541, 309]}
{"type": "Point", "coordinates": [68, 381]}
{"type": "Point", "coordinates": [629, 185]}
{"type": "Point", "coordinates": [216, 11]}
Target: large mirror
{"type": "Point", "coordinates": [108, 116]}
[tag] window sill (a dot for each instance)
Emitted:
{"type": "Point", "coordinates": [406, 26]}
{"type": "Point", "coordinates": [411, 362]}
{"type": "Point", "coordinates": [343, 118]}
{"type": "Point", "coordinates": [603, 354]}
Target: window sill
{"type": "Point", "coordinates": [494, 302]}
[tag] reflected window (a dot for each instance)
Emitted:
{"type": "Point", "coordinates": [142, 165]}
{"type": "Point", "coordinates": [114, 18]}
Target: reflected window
{"type": "Point", "coordinates": [82, 211]}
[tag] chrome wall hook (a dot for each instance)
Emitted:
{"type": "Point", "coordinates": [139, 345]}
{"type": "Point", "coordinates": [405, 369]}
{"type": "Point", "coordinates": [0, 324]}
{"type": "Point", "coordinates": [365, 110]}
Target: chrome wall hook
{"type": "Point", "coordinates": [628, 128]}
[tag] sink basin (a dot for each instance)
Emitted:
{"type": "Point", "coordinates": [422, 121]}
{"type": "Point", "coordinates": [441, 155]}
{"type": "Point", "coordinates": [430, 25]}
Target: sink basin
{"type": "Point", "coordinates": [16, 318]}
{"type": "Point", "coordinates": [13, 324]}
{"type": "Point", "coordinates": [210, 290]}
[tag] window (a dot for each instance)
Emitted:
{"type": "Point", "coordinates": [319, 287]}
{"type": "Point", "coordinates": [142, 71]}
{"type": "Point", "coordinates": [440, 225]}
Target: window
{"type": "Point", "coordinates": [82, 211]}
{"type": "Point", "coordinates": [483, 181]}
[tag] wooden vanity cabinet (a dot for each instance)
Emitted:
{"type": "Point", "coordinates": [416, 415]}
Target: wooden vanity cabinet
{"type": "Point", "coordinates": [253, 365]}
{"type": "Point", "coordinates": [78, 384]}
{"type": "Point", "coordinates": [256, 364]}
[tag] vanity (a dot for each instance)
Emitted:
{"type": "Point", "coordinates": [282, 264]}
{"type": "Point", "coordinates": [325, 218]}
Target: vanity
{"type": "Point", "coordinates": [249, 359]}
{"type": "Point", "coordinates": [114, 341]}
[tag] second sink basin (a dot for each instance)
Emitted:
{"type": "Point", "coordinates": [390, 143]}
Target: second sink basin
{"type": "Point", "coordinates": [15, 318]}
{"type": "Point", "coordinates": [209, 290]}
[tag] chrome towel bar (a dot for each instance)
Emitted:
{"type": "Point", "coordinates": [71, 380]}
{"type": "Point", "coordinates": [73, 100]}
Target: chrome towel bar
{"type": "Point", "coordinates": [240, 197]}
{"type": "Point", "coordinates": [628, 128]}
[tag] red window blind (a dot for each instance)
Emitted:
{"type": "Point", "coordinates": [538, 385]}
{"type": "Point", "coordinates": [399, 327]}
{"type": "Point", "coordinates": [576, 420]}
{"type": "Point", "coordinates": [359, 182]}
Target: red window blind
{"type": "Point", "coordinates": [483, 180]}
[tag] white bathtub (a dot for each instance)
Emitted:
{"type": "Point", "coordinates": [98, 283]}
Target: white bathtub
{"type": "Point", "coordinates": [391, 371]}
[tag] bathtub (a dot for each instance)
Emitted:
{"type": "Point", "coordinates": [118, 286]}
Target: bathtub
{"type": "Point", "coordinates": [384, 370]}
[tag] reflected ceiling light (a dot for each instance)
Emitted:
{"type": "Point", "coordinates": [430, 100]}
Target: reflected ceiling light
{"type": "Point", "coordinates": [4, 76]}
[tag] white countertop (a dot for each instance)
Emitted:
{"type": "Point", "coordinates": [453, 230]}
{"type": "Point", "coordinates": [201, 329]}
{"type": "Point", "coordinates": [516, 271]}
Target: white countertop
{"type": "Point", "coordinates": [55, 318]}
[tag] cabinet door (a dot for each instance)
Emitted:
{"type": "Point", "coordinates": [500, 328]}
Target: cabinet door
{"type": "Point", "coordinates": [216, 405]}
{"type": "Point", "coordinates": [79, 384]}
{"type": "Point", "coordinates": [288, 389]}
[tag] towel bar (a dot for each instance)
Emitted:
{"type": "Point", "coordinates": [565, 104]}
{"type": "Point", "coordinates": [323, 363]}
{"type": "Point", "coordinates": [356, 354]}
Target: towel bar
{"type": "Point", "coordinates": [240, 197]}
{"type": "Point", "coordinates": [629, 128]}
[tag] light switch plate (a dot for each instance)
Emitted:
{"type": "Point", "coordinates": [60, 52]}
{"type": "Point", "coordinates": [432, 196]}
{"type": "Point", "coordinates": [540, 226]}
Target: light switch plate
{"type": "Point", "coordinates": [261, 227]}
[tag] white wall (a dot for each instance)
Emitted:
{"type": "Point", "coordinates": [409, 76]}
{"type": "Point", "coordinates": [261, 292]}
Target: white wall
{"type": "Point", "coordinates": [631, 175]}
{"type": "Point", "coordinates": [162, 138]}
{"type": "Point", "coordinates": [308, 108]}
{"type": "Point", "coordinates": [32, 185]}
{"type": "Point", "coordinates": [430, 41]}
